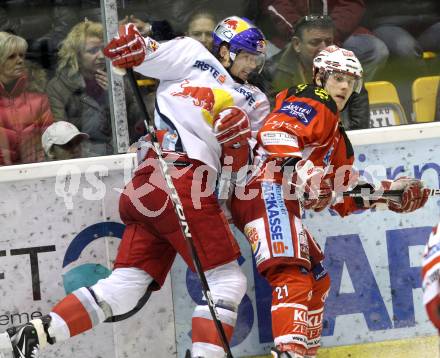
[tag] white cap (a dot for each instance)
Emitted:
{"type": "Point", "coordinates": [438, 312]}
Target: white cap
{"type": "Point", "coordinates": [60, 133]}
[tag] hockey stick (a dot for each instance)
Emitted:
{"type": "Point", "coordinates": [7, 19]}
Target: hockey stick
{"type": "Point", "coordinates": [366, 193]}
{"type": "Point", "coordinates": [382, 194]}
{"type": "Point", "coordinates": [180, 214]}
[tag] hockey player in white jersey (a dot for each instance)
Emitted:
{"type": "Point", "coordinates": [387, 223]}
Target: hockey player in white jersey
{"type": "Point", "coordinates": [210, 112]}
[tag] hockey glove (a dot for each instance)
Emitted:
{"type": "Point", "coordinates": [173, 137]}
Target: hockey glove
{"type": "Point", "coordinates": [232, 125]}
{"type": "Point", "coordinates": [321, 200]}
{"type": "Point", "coordinates": [413, 197]}
{"type": "Point", "coordinates": [128, 49]}
{"type": "Point", "coordinates": [310, 187]}
{"type": "Point", "coordinates": [232, 129]}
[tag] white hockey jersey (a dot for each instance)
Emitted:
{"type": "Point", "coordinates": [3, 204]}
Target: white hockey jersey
{"type": "Point", "coordinates": [193, 88]}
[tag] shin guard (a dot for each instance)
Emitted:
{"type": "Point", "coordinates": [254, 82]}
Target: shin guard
{"type": "Point", "coordinates": [291, 294]}
{"type": "Point", "coordinates": [321, 287]}
{"type": "Point", "coordinates": [206, 340]}
{"type": "Point", "coordinates": [79, 311]}
{"type": "Point", "coordinates": [228, 286]}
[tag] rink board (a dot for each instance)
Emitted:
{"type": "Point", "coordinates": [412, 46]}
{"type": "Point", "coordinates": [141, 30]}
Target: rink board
{"type": "Point", "coordinates": [59, 232]}
{"type": "Point", "coordinates": [60, 229]}
{"type": "Point", "coordinates": [373, 258]}
{"type": "Point", "coordinates": [423, 347]}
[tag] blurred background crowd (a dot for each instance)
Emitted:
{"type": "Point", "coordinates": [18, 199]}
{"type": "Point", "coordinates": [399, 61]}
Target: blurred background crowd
{"type": "Point", "coordinates": [54, 85]}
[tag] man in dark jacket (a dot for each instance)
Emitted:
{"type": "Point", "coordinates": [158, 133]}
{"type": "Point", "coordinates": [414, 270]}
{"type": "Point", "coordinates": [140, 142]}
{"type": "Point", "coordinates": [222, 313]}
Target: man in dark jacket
{"type": "Point", "coordinates": [294, 66]}
{"type": "Point", "coordinates": [346, 15]}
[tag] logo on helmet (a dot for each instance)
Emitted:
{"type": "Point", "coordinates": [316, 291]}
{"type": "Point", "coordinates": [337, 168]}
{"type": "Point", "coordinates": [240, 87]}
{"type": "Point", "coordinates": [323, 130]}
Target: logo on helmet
{"type": "Point", "coordinates": [261, 46]}
{"type": "Point", "coordinates": [232, 24]}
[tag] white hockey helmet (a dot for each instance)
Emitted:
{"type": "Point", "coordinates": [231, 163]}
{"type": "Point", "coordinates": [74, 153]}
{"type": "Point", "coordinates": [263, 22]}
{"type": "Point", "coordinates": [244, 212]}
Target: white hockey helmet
{"type": "Point", "coordinates": [336, 59]}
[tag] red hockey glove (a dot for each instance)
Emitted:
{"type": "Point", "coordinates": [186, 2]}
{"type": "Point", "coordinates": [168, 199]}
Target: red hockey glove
{"type": "Point", "coordinates": [414, 196]}
{"type": "Point", "coordinates": [232, 129]}
{"type": "Point", "coordinates": [128, 49]}
{"type": "Point", "coordinates": [310, 187]}
{"type": "Point", "coordinates": [323, 198]}
{"type": "Point", "coordinates": [232, 125]}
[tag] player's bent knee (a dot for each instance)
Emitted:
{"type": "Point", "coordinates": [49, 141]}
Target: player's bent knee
{"type": "Point", "coordinates": [121, 291]}
{"type": "Point", "coordinates": [227, 283]}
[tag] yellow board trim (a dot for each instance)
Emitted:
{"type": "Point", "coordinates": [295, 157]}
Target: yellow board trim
{"type": "Point", "coordinates": [421, 347]}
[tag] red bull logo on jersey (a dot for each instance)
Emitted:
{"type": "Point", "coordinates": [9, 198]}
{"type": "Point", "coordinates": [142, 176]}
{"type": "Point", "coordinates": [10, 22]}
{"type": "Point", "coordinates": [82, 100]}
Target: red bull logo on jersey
{"type": "Point", "coordinates": [152, 46]}
{"type": "Point", "coordinates": [299, 110]}
{"type": "Point", "coordinates": [202, 96]}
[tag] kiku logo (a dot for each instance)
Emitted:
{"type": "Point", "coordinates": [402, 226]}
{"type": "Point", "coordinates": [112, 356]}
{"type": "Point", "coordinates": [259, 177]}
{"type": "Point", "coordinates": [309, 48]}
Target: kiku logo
{"type": "Point", "coordinates": [77, 272]}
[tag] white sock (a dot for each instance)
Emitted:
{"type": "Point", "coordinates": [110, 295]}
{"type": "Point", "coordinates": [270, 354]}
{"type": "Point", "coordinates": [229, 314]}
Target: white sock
{"type": "Point", "coordinates": [58, 328]}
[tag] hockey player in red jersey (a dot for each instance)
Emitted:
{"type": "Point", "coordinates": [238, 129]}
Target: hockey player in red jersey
{"type": "Point", "coordinates": [209, 110]}
{"type": "Point", "coordinates": [431, 277]}
{"type": "Point", "coordinates": [303, 156]}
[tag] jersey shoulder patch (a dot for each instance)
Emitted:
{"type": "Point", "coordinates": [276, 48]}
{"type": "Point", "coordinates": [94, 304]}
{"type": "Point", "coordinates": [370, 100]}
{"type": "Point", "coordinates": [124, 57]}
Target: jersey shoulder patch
{"type": "Point", "coordinates": [302, 111]}
{"type": "Point", "coordinates": [314, 92]}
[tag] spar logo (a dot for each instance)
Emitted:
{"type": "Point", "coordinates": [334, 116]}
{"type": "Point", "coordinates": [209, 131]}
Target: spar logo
{"type": "Point", "coordinates": [299, 110]}
{"type": "Point", "coordinates": [79, 270]}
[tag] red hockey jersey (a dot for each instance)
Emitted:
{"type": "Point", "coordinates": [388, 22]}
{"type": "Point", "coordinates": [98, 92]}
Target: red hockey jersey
{"type": "Point", "coordinates": [305, 124]}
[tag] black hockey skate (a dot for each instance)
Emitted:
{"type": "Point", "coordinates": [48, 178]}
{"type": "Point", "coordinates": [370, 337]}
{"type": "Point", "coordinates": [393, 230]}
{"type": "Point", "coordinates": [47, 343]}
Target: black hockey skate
{"type": "Point", "coordinates": [25, 339]}
{"type": "Point", "coordinates": [278, 354]}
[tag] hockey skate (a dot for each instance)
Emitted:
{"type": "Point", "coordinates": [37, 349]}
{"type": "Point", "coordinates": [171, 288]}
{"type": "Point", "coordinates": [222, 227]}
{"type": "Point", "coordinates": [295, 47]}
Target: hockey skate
{"type": "Point", "coordinates": [278, 354]}
{"type": "Point", "coordinates": [24, 341]}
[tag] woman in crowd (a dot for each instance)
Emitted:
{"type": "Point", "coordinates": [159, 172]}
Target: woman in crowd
{"type": "Point", "coordinates": [200, 27]}
{"type": "Point", "coordinates": [79, 92]}
{"type": "Point", "coordinates": [24, 108]}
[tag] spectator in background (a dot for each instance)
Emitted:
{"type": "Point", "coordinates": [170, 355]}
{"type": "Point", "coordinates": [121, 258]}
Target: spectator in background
{"type": "Point", "coordinates": [62, 140]}
{"type": "Point", "coordinates": [45, 23]}
{"type": "Point", "coordinates": [178, 13]}
{"type": "Point", "coordinates": [407, 27]}
{"type": "Point", "coordinates": [160, 29]}
{"type": "Point", "coordinates": [79, 92]}
{"type": "Point", "coordinates": [24, 108]}
{"type": "Point", "coordinates": [200, 27]}
{"type": "Point", "coordinates": [294, 65]}
{"type": "Point", "coordinates": [346, 14]}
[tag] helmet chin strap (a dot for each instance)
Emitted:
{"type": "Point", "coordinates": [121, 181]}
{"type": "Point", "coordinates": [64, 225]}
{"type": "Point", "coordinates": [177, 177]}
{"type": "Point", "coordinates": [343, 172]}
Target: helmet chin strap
{"type": "Point", "coordinates": [236, 79]}
{"type": "Point", "coordinates": [324, 79]}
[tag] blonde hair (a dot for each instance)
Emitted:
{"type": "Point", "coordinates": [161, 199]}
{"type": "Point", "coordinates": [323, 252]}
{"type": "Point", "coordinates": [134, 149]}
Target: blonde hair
{"type": "Point", "coordinates": [10, 43]}
{"type": "Point", "coordinates": [74, 43]}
